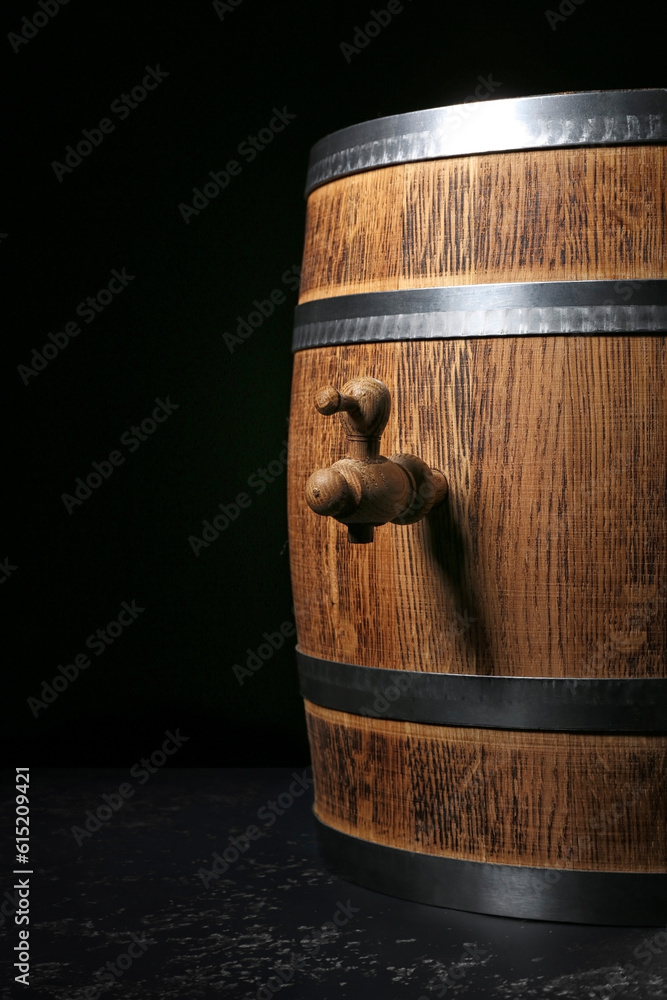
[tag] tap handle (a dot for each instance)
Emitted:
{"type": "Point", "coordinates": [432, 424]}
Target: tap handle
{"type": "Point", "coordinates": [364, 489]}
{"type": "Point", "coordinates": [364, 405]}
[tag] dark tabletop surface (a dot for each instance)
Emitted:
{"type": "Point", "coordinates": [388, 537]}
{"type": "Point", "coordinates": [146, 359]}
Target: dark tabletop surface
{"type": "Point", "coordinates": [196, 885]}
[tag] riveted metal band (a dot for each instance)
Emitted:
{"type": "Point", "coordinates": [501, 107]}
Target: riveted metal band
{"type": "Point", "coordinates": [624, 899]}
{"type": "Point", "coordinates": [507, 309]}
{"type": "Point", "coordinates": [549, 704]}
{"type": "Point", "coordinates": [592, 118]}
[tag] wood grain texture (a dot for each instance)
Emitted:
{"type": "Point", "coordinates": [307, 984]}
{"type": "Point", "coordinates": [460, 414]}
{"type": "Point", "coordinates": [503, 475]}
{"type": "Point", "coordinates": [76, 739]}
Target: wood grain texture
{"type": "Point", "coordinates": [555, 800]}
{"type": "Point", "coordinates": [549, 556]}
{"type": "Point", "coordinates": [539, 215]}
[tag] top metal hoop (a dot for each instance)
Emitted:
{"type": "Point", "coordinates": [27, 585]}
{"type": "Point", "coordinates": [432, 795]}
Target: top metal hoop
{"type": "Point", "coordinates": [591, 118]}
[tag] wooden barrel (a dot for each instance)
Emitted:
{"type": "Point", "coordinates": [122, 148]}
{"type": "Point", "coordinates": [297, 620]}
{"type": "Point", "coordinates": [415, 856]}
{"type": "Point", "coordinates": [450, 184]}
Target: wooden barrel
{"type": "Point", "coordinates": [485, 687]}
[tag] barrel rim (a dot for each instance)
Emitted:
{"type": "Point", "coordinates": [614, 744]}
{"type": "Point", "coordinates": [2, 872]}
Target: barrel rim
{"type": "Point", "coordinates": [611, 705]}
{"type": "Point", "coordinates": [585, 118]}
{"type": "Point", "coordinates": [580, 896]}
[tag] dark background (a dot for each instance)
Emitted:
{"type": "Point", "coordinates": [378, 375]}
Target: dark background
{"type": "Point", "coordinates": [163, 335]}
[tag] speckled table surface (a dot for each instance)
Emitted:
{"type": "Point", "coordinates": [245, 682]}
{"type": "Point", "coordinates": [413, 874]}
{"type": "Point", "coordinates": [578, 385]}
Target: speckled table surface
{"type": "Point", "coordinates": [206, 883]}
